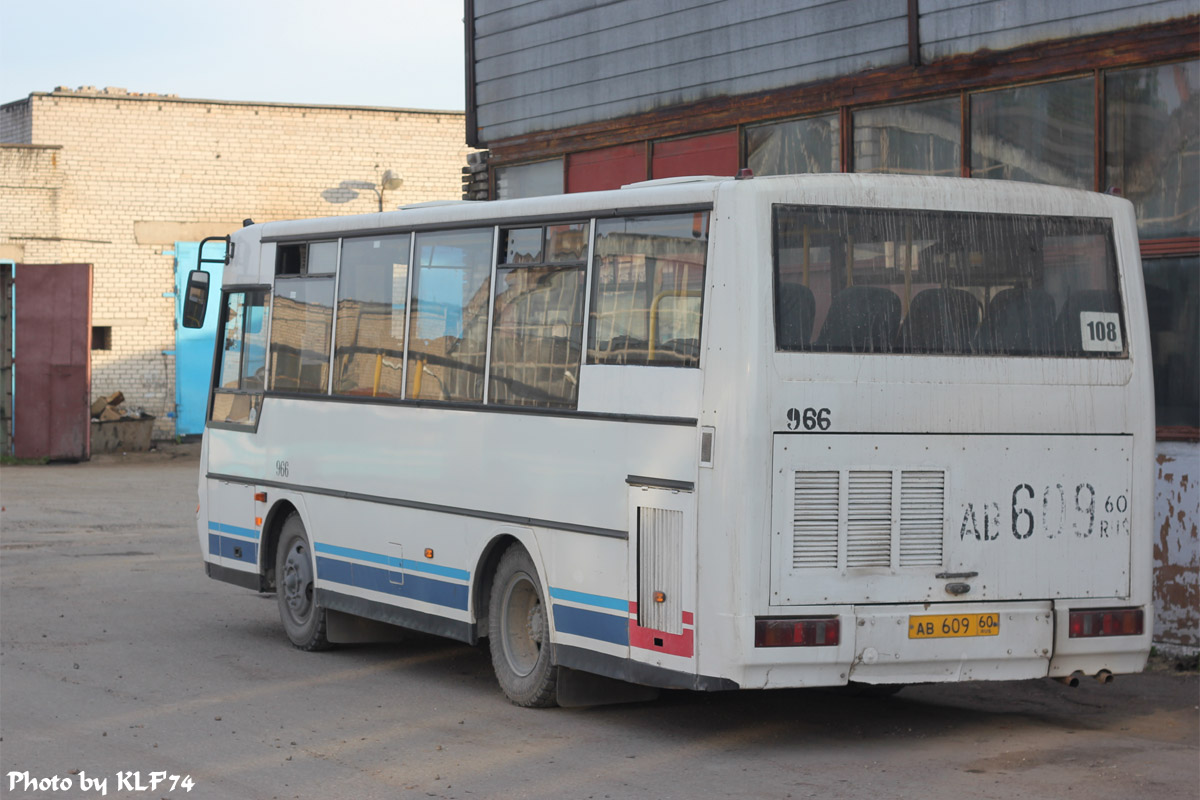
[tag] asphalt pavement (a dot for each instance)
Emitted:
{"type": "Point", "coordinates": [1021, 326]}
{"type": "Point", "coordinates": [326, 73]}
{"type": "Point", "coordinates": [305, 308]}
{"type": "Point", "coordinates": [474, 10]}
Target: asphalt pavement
{"type": "Point", "coordinates": [126, 672]}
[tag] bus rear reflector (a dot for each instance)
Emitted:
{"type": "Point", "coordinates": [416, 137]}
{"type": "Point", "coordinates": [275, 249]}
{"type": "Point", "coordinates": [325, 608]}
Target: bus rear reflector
{"type": "Point", "coordinates": [798, 632]}
{"type": "Point", "coordinates": [1106, 622]}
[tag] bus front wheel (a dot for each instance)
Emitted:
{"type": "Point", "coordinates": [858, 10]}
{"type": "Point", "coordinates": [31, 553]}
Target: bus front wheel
{"type": "Point", "coordinates": [303, 619]}
{"type": "Point", "coordinates": [519, 632]}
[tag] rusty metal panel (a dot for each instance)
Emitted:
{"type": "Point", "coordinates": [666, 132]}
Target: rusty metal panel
{"type": "Point", "coordinates": [1177, 545]}
{"type": "Point", "coordinates": [711, 154]}
{"type": "Point", "coordinates": [52, 355]}
{"type": "Point", "coordinates": [607, 168]}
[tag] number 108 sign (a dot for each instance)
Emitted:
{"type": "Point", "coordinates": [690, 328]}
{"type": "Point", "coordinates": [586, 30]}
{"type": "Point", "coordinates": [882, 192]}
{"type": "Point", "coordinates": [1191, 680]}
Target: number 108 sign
{"type": "Point", "coordinates": [1101, 332]}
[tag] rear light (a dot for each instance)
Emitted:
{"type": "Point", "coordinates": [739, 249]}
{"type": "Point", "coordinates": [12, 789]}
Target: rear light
{"type": "Point", "coordinates": [799, 632]}
{"type": "Point", "coordinates": [1106, 622]}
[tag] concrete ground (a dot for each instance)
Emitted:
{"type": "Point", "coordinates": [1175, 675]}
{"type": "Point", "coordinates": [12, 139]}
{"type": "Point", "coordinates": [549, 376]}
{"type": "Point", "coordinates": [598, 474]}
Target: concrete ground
{"type": "Point", "coordinates": [118, 656]}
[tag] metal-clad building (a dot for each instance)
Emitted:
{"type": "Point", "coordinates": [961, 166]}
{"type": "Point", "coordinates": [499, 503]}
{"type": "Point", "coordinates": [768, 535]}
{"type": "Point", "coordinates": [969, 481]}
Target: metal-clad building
{"type": "Point", "coordinates": [573, 95]}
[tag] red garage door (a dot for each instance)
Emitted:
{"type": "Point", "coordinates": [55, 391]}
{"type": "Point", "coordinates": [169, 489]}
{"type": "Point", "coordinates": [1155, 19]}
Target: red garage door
{"type": "Point", "coordinates": [52, 369]}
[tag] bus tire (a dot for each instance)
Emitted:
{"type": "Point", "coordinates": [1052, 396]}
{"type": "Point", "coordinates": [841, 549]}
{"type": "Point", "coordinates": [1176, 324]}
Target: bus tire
{"type": "Point", "coordinates": [295, 591]}
{"type": "Point", "coordinates": [519, 632]}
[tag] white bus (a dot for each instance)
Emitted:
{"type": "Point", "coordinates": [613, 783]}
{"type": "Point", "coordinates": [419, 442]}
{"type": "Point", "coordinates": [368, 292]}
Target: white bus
{"type": "Point", "coordinates": [697, 433]}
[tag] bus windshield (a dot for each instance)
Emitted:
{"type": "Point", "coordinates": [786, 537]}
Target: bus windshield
{"type": "Point", "coordinates": [862, 280]}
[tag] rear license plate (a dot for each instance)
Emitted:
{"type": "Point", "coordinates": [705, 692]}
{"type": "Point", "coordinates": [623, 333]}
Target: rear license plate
{"type": "Point", "coordinates": [946, 626]}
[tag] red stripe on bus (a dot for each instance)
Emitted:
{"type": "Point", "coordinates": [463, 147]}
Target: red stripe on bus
{"type": "Point", "coordinates": [675, 644]}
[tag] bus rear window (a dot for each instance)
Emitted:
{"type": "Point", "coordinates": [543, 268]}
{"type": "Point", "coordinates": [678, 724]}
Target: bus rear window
{"type": "Point", "coordinates": [854, 280]}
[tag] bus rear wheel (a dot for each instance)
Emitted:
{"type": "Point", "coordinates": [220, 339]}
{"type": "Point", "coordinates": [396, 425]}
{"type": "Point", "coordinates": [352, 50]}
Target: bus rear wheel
{"type": "Point", "coordinates": [519, 632]}
{"type": "Point", "coordinates": [295, 590]}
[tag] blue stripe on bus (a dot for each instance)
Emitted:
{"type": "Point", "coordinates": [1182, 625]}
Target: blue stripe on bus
{"type": "Point", "coordinates": [414, 587]}
{"type": "Point", "coordinates": [436, 569]}
{"type": "Point", "coordinates": [392, 561]}
{"type": "Point", "coordinates": [349, 552]}
{"type": "Point", "coordinates": [615, 603]}
{"type": "Point", "coordinates": [249, 550]}
{"type": "Point", "coordinates": [592, 624]}
{"type": "Point", "coordinates": [221, 527]}
{"type": "Point", "coordinates": [225, 547]}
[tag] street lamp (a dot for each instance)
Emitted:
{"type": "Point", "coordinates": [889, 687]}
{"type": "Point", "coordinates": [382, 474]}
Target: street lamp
{"type": "Point", "coordinates": [389, 181]}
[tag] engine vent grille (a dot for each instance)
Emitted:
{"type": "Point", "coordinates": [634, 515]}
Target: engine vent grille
{"type": "Point", "coordinates": [815, 520]}
{"type": "Point", "coordinates": [660, 569]}
{"type": "Point", "coordinates": [868, 518]}
{"type": "Point", "coordinates": [922, 513]}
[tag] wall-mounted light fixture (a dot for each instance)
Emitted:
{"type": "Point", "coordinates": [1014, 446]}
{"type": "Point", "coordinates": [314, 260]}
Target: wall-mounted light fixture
{"type": "Point", "coordinates": [389, 181]}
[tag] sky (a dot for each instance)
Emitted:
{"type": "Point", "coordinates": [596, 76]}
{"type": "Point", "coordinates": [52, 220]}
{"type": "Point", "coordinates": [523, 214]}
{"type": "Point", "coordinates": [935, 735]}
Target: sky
{"type": "Point", "coordinates": [391, 53]}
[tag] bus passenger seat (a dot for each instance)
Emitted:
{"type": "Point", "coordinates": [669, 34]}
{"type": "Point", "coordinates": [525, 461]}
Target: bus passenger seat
{"type": "Point", "coordinates": [941, 321]}
{"type": "Point", "coordinates": [861, 319]}
{"type": "Point", "coordinates": [797, 308]}
{"type": "Point", "coordinates": [1018, 322]}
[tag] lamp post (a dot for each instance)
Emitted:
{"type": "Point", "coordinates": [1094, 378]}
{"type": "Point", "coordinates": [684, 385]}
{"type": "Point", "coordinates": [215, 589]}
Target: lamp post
{"type": "Point", "coordinates": [389, 181]}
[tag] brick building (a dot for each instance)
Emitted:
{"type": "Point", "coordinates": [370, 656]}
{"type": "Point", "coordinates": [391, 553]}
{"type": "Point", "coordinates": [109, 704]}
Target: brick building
{"type": "Point", "coordinates": [120, 180]}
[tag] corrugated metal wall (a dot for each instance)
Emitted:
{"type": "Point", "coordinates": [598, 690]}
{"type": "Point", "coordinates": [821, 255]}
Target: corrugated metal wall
{"type": "Point", "coordinates": [952, 27]}
{"type": "Point", "coordinates": [551, 64]}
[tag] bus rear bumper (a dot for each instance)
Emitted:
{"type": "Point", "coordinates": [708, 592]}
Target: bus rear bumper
{"type": "Point", "coordinates": [950, 643]}
{"type": "Point", "coordinates": [946, 643]}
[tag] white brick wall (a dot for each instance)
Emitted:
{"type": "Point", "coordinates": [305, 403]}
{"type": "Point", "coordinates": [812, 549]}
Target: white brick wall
{"type": "Point", "coordinates": [120, 161]}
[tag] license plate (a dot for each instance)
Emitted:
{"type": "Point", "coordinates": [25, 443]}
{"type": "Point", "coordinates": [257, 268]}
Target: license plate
{"type": "Point", "coordinates": [946, 626]}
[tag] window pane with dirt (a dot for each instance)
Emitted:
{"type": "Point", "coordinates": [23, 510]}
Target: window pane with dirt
{"type": "Point", "coordinates": [647, 290]}
{"type": "Point", "coordinates": [855, 280]}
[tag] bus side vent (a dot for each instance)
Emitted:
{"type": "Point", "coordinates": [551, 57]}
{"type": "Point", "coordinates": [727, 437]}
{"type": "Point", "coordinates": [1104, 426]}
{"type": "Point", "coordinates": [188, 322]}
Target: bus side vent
{"type": "Point", "coordinates": [869, 518]}
{"type": "Point", "coordinates": [660, 569]}
{"type": "Point", "coordinates": [815, 520]}
{"type": "Point", "coordinates": [922, 515]}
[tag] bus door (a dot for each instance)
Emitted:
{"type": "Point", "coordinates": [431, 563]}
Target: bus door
{"type": "Point", "coordinates": [662, 572]}
{"type": "Point", "coordinates": [233, 413]}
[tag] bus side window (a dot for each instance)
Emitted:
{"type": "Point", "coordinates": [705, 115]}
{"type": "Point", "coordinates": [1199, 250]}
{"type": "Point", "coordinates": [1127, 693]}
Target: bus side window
{"type": "Point", "coordinates": [237, 392]}
{"type": "Point", "coordinates": [372, 295]}
{"type": "Point", "coordinates": [537, 327]}
{"type": "Point", "coordinates": [647, 290]}
{"type": "Point", "coordinates": [448, 319]}
{"type": "Point", "coordinates": [300, 335]}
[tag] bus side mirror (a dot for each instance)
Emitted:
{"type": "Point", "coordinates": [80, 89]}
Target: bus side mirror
{"type": "Point", "coordinates": [195, 300]}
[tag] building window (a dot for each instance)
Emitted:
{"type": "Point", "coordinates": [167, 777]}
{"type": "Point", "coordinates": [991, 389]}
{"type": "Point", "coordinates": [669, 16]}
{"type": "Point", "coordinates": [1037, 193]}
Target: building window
{"type": "Point", "coordinates": [102, 337]}
{"type": "Point", "coordinates": [796, 146]}
{"type": "Point", "coordinates": [910, 139]}
{"type": "Point", "coordinates": [1152, 145]}
{"type": "Point", "coordinates": [1172, 297]}
{"type": "Point", "coordinates": [529, 180]}
{"type": "Point", "coordinates": [1044, 133]}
